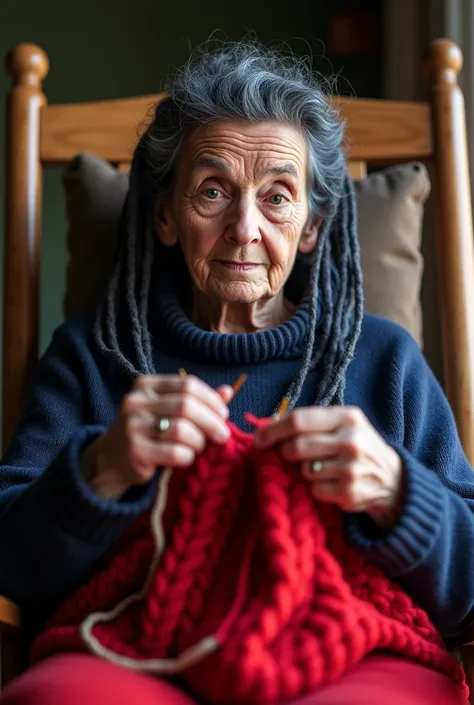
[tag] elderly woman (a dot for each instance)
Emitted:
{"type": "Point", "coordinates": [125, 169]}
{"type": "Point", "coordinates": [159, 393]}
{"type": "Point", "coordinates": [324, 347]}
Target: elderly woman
{"type": "Point", "coordinates": [238, 255]}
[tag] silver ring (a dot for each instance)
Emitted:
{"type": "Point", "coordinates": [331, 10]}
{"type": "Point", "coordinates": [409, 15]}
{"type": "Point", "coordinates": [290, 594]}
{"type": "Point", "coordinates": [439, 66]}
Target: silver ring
{"type": "Point", "coordinates": [162, 424]}
{"type": "Point", "coordinates": [316, 467]}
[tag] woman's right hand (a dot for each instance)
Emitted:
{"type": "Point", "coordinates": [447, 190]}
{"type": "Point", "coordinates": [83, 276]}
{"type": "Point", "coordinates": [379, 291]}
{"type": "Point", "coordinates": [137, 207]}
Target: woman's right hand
{"type": "Point", "coordinates": [133, 447]}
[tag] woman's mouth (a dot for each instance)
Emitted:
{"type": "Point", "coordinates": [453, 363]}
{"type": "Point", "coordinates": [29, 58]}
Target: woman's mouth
{"type": "Point", "coordinates": [239, 266]}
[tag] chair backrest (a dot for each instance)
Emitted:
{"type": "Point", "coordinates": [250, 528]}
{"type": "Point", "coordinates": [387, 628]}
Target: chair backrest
{"type": "Point", "coordinates": [379, 133]}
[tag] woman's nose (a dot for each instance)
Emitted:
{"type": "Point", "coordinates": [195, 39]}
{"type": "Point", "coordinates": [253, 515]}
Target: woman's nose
{"type": "Point", "coordinates": [244, 227]}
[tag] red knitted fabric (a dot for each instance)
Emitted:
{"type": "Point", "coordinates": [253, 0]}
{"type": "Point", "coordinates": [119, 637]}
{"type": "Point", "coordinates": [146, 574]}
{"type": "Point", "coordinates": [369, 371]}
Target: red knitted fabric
{"type": "Point", "coordinates": [252, 559]}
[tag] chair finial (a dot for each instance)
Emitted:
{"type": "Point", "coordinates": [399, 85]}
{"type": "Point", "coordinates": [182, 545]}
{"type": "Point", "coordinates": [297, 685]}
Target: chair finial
{"type": "Point", "coordinates": [443, 56]}
{"type": "Point", "coordinates": [28, 64]}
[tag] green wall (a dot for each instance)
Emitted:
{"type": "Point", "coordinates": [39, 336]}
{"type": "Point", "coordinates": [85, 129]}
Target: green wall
{"type": "Point", "coordinates": [113, 48]}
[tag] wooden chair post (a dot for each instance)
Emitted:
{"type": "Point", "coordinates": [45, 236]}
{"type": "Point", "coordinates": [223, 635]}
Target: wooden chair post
{"type": "Point", "coordinates": [454, 244]}
{"type": "Point", "coordinates": [454, 234]}
{"type": "Point", "coordinates": [28, 66]}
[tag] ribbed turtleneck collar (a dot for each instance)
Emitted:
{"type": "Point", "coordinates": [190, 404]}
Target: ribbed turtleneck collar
{"type": "Point", "coordinates": [177, 332]}
{"type": "Point", "coordinates": [174, 331]}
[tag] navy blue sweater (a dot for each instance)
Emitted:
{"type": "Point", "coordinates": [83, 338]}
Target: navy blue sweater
{"type": "Point", "coordinates": [54, 530]}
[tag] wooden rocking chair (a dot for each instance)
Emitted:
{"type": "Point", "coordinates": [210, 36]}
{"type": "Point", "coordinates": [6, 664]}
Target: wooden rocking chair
{"type": "Point", "coordinates": [381, 133]}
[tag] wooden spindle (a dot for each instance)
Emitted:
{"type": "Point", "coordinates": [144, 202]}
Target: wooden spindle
{"type": "Point", "coordinates": [454, 234]}
{"type": "Point", "coordinates": [28, 65]}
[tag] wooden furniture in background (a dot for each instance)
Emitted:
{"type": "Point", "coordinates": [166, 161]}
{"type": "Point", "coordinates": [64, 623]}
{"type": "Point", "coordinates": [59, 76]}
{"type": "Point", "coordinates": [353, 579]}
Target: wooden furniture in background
{"type": "Point", "coordinates": [379, 133]}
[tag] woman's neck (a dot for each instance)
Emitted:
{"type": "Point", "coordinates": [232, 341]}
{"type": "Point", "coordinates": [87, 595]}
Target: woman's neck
{"type": "Point", "coordinates": [223, 317]}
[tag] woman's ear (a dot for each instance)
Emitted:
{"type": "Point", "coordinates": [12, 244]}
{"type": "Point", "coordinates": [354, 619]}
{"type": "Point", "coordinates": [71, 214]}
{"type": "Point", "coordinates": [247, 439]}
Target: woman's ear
{"type": "Point", "coordinates": [309, 236]}
{"type": "Point", "coordinates": [164, 223]}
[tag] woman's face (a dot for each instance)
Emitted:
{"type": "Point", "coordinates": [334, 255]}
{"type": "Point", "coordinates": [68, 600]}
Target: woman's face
{"type": "Point", "coordinates": [239, 208]}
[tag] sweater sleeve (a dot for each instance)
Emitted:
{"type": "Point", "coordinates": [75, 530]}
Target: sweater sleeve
{"type": "Point", "coordinates": [430, 551]}
{"type": "Point", "coordinates": [53, 528]}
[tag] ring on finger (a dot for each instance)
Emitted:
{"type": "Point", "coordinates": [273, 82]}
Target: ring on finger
{"type": "Point", "coordinates": [317, 467]}
{"type": "Point", "coordinates": [161, 424]}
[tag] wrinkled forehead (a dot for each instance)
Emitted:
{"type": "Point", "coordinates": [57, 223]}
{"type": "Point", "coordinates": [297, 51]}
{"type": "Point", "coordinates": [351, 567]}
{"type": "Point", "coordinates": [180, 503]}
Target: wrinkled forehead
{"type": "Point", "coordinates": [255, 148]}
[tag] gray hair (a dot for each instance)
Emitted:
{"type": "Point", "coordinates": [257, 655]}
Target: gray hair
{"type": "Point", "coordinates": [245, 81]}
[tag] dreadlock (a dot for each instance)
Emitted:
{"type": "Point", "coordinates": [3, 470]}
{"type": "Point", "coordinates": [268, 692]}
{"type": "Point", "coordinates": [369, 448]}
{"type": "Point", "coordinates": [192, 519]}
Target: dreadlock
{"type": "Point", "coordinates": [244, 81]}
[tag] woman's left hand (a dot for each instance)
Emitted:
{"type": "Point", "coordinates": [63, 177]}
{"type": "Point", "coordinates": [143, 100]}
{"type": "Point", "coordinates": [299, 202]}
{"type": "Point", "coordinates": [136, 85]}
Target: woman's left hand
{"type": "Point", "coordinates": [343, 456]}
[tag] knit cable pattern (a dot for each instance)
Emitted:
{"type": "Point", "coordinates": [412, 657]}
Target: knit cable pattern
{"type": "Point", "coordinates": [243, 583]}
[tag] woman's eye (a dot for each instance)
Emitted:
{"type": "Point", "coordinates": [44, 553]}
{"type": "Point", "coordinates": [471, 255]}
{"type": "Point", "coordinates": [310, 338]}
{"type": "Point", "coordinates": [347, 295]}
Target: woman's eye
{"type": "Point", "coordinates": [277, 199]}
{"type": "Point", "coordinates": [212, 193]}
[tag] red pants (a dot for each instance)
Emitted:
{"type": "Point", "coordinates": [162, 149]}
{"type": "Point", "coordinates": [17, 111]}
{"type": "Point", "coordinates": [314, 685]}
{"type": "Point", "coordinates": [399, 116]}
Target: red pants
{"type": "Point", "coordinates": [74, 679]}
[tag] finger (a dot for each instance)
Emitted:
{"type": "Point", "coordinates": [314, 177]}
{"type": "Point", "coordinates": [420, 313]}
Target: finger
{"type": "Point", "coordinates": [327, 491]}
{"type": "Point", "coordinates": [309, 446]}
{"type": "Point", "coordinates": [153, 385]}
{"type": "Point", "coordinates": [179, 431]}
{"type": "Point", "coordinates": [145, 453]}
{"type": "Point", "coordinates": [177, 406]}
{"type": "Point", "coordinates": [350, 496]}
{"type": "Point", "coordinates": [344, 444]}
{"type": "Point", "coordinates": [326, 469]}
{"type": "Point", "coordinates": [300, 421]}
{"type": "Point", "coordinates": [226, 393]}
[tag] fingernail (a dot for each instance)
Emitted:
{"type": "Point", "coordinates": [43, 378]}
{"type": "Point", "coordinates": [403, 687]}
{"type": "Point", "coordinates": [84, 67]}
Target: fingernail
{"type": "Point", "coordinates": [222, 434]}
{"type": "Point", "coordinates": [224, 412]}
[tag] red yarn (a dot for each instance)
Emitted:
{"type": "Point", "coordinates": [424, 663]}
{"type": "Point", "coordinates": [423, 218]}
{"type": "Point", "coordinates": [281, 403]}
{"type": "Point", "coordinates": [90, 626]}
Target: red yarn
{"type": "Point", "coordinates": [252, 559]}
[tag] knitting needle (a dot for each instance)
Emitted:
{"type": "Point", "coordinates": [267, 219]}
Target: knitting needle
{"type": "Point", "coordinates": [282, 409]}
{"type": "Point", "coordinates": [238, 384]}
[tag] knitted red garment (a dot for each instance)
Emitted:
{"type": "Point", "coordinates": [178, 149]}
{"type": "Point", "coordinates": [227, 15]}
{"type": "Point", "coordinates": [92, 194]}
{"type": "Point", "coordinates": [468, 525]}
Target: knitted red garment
{"type": "Point", "coordinates": [256, 586]}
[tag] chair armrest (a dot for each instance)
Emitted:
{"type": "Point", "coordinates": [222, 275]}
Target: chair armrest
{"type": "Point", "coordinates": [9, 613]}
{"type": "Point", "coordinates": [12, 657]}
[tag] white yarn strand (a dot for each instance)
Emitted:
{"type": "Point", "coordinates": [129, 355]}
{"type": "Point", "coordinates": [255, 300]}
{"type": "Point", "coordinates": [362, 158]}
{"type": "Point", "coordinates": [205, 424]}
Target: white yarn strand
{"type": "Point", "coordinates": [190, 656]}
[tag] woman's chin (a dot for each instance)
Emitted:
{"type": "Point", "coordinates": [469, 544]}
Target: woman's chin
{"type": "Point", "coordinates": [240, 293]}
